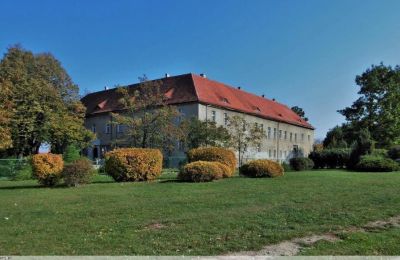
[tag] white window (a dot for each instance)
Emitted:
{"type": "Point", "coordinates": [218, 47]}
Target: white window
{"type": "Point", "coordinates": [274, 133]}
{"type": "Point", "coordinates": [119, 128]}
{"type": "Point", "coordinates": [262, 127]}
{"type": "Point", "coordinates": [94, 128]}
{"type": "Point", "coordinates": [274, 153]}
{"type": "Point", "coordinates": [226, 119]}
{"type": "Point", "coordinates": [280, 134]}
{"type": "Point", "coordinates": [108, 129]}
{"type": "Point", "coordinates": [214, 116]}
{"type": "Point", "coordinates": [291, 136]}
{"type": "Point", "coordinates": [280, 154]}
{"type": "Point", "coordinates": [270, 153]}
{"type": "Point", "coordinates": [269, 133]}
{"type": "Point", "coordinates": [295, 137]}
{"type": "Point", "coordinates": [309, 138]}
{"type": "Point", "coordinates": [285, 135]}
{"type": "Point", "coordinates": [302, 137]}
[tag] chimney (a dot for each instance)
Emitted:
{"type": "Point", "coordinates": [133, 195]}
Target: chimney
{"type": "Point", "coordinates": [203, 75]}
{"type": "Point", "coordinates": [167, 75]}
{"type": "Point", "coordinates": [239, 87]}
{"type": "Point", "coordinates": [262, 95]}
{"type": "Point", "coordinates": [273, 99]}
{"type": "Point", "coordinates": [105, 88]}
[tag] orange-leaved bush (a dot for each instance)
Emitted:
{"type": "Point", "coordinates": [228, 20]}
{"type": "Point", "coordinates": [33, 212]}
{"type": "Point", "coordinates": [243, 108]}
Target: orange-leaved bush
{"type": "Point", "coordinates": [47, 168]}
{"type": "Point", "coordinates": [214, 154]}
{"type": "Point", "coordinates": [134, 164]}
{"type": "Point", "coordinates": [262, 168]}
{"type": "Point", "coordinates": [202, 171]}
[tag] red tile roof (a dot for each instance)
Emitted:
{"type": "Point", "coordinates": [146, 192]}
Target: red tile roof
{"type": "Point", "coordinates": [188, 88]}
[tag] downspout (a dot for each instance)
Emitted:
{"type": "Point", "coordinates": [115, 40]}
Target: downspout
{"type": "Point", "coordinates": [277, 143]}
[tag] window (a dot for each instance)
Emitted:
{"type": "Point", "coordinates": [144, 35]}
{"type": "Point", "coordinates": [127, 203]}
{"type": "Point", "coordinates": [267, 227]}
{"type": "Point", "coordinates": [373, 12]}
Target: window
{"type": "Point", "coordinates": [295, 137]}
{"type": "Point", "coordinates": [270, 153]}
{"type": "Point", "coordinates": [119, 128]}
{"type": "Point", "coordinates": [180, 115]}
{"type": "Point", "coordinates": [280, 154]}
{"type": "Point", "coordinates": [256, 125]}
{"type": "Point", "coordinates": [180, 146]}
{"type": "Point", "coordinates": [262, 127]}
{"type": "Point", "coordinates": [214, 116]}
{"type": "Point", "coordinates": [274, 153]}
{"type": "Point", "coordinates": [94, 128]}
{"type": "Point", "coordinates": [274, 133]}
{"type": "Point", "coordinates": [285, 135]}
{"type": "Point", "coordinates": [291, 136]}
{"type": "Point", "coordinates": [269, 133]}
{"type": "Point", "coordinates": [258, 147]}
{"type": "Point", "coordinates": [302, 137]}
{"type": "Point", "coordinates": [108, 128]}
{"type": "Point", "coordinates": [226, 119]}
{"type": "Point", "coordinates": [309, 138]}
{"type": "Point", "coordinates": [280, 134]}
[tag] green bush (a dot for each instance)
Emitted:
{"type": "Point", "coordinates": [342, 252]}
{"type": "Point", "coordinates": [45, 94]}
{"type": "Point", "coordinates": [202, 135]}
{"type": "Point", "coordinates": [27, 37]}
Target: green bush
{"type": "Point", "coordinates": [72, 153]}
{"type": "Point", "coordinates": [24, 173]}
{"type": "Point", "coordinates": [202, 171]}
{"type": "Point", "coordinates": [134, 164]}
{"type": "Point", "coordinates": [261, 168]}
{"type": "Point", "coordinates": [301, 164]}
{"type": "Point", "coordinates": [286, 167]}
{"type": "Point", "coordinates": [379, 153]}
{"type": "Point", "coordinates": [362, 146]}
{"type": "Point", "coordinates": [330, 158]}
{"type": "Point", "coordinates": [78, 173]}
{"type": "Point", "coordinates": [394, 152]}
{"type": "Point", "coordinates": [370, 163]}
{"type": "Point", "coordinates": [214, 154]}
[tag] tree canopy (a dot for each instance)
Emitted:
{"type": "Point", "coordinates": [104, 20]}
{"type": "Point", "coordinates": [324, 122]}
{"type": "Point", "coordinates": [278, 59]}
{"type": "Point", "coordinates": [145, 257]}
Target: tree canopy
{"type": "Point", "coordinates": [299, 111]}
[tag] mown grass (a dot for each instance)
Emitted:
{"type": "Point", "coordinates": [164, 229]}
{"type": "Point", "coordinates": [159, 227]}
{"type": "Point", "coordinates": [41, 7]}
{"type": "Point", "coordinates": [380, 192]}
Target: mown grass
{"type": "Point", "coordinates": [380, 242]}
{"type": "Point", "coordinates": [167, 217]}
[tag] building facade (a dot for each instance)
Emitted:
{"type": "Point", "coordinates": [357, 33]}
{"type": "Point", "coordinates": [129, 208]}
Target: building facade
{"type": "Point", "coordinates": [286, 134]}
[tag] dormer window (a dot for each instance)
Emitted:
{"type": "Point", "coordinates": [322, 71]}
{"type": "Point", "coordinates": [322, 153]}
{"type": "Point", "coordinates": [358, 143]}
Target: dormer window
{"type": "Point", "coordinates": [224, 100]}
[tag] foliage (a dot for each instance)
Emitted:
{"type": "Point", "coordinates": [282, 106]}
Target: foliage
{"type": "Point", "coordinates": [214, 154]}
{"type": "Point", "coordinates": [301, 164]}
{"type": "Point", "coordinates": [394, 152]}
{"type": "Point", "coordinates": [330, 158]}
{"type": "Point", "coordinates": [377, 109]}
{"type": "Point", "coordinates": [300, 112]}
{"type": "Point", "coordinates": [371, 163]}
{"type": "Point", "coordinates": [42, 102]}
{"type": "Point", "coordinates": [286, 167]}
{"type": "Point", "coordinates": [202, 171]}
{"type": "Point", "coordinates": [47, 168]}
{"type": "Point", "coordinates": [134, 164]}
{"type": "Point", "coordinates": [148, 119]}
{"type": "Point", "coordinates": [23, 173]}
{"type": "Point", "coordinates": [379, 153]}
{"type": "Point", "coordinates": [78, 172]}
{"type": "Point", "coordinates": [362, 146]}
{"type": "Point", "coordinates": [244, 135]}
{"type": "Point", "coordinates": [262, 168]}
{"type": "Point", "coordinates": [5, 108]}
{"type": "Point", "coordinates": [204, 133]}
{"type": "Point", "coordinates": [71, 154]}
{"type": "Point", "coordinates": [335, 138]}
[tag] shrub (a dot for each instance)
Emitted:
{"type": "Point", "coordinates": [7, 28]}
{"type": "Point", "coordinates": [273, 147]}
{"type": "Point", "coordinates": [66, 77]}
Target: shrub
{"type": "Point", "coordinates": [24, 173]}
{"type": "Point", "coordinates": [330, 158]}
{"type": "Point", "coordinates": [214, 154]}
{"type": "Point", "coordinates": [363, 145]}
{"type": "Point", "coordinates": [78, 173]}
{"type": "Point", "coordinates": [262, 168]}
{"type": "Point", "coordinates": [202, 171]}
{"type": "Point", "coordinates": [394, 152]}
{"type": "Point", "coordinates": [286, 167]}
{"type": "Point", "coordinates": [370, 163]}
{"type": "Point", "coordinates": [134, 164]}
{"type": "Point", "coordinates": [379, 153]}
{"type": "Point", "coordinates": [71, 154]}
{"type": "Point", "coordinates": [301, 164]}
{"type": "Point", "coordinates": [47, 168]}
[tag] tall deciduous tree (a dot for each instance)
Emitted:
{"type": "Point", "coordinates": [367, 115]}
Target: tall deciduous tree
{"type": "Point", "coordinates": [335, 138]}
{"type": "Point", "coordinates": [378, 107]}
{"type": "Point", "coordinates": [148, 120]}
{"type": "Point", "coordinates": [201, 133]}
{"type": "Point", "coordinates": [42, 97]}
{"type": "Point", "coordinates": [244, 135]}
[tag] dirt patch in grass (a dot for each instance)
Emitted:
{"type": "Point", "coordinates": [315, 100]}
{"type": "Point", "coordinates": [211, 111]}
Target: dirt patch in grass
{"type": "Point", "coordinates": [294, 246]}
{"type": "Point", "coordinates": [156, 226]}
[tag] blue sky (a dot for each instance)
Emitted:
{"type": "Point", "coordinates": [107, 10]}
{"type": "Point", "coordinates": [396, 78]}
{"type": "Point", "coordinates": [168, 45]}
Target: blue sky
{"type": "Point", "coordinates": [304, 53]}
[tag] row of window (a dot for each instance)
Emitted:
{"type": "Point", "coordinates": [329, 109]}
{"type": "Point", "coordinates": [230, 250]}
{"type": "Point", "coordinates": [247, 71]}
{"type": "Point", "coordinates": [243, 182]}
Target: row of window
{"type": "Point", "coordinates": [282, 135]}
{"type": "Point", "coordinates": [108, 128]}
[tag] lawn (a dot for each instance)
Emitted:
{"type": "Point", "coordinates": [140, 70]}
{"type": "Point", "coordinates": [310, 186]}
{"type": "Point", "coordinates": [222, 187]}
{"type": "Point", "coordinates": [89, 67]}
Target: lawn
{"type": "Point", "coordinates": [167, 217]}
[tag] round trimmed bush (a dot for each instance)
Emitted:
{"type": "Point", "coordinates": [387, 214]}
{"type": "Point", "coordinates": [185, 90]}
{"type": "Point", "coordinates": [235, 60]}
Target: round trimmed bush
{"type": "Point", "coordinates": [370, 163]}
{"type": "Point", "coordinates": [47, 168]}
{"type": "Point", "coordinates": [134, 164]}
{"type": "Point", "coordinates": [202, 171]}
{"type": "Point", "coordinates": [214, 154]}
{"type": "Point", "coordinates": [78, 172]}
{"type": "Point", "coordinates": [301, 164]}
{"type": "Point", "coordinates": [262, 168]}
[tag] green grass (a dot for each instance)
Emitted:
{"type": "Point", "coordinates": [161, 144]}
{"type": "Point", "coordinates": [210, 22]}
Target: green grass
{"type": "Point", "coordinates": [167, 217]}
{"type": "Point", "coordinates": [384, 242]}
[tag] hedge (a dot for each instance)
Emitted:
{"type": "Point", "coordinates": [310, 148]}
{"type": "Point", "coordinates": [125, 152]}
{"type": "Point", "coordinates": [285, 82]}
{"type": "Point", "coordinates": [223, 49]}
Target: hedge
{"type": "Point", "coordinates": [78, 172]}
{"type": "Point", "coordinates": [134, 164]}
{"type": "Point", "coordinates": [301, 164]}
{"type": "Point", "coordinates": [202, 171]}
{"type": "Point", "coordinates": [371, 163]}
{"type": "Point", "coordinates": [330, 158]}
{"type": "Point", "coordinates": [47, 168]}
{"type": "Point", "coordinates": [262, 168]}
{"type": "Point", "coordinates": [214, 154]}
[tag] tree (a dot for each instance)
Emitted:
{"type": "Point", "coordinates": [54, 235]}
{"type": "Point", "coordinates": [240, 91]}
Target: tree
{"type": "Point", "coordinates": [378, 107]}
{"type": "Point", "coordinates": [299, 111]}
{"type": "Point", "coordinates": [201, 133]}
{"type": "Point", "coordinates": [335, 138]}
{"type": "Point", "coordinates": [244, 135]}
{"type": "Point", "coordinates": [5, 106]}
{"type": "Point", "coordinates": [147, 118]}
{"type": "Point", "coordinates": [42, 98]}
{"type": "Point", "coordinates": [362, 146]}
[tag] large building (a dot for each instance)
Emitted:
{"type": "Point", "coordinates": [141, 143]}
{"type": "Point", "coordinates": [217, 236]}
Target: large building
{"type": "Point", "coordinates": [206, 99]}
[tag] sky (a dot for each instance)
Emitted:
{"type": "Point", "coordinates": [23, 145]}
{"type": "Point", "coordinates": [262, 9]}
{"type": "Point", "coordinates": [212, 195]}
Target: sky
{"type": "Point", "coordinates": [300, 52]}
